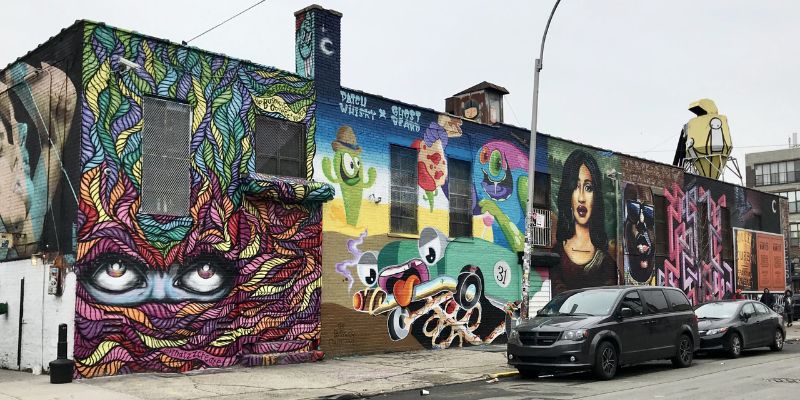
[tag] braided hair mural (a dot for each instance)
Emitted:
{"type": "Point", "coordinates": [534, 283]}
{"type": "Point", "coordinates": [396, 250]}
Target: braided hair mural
{"type": "Point", "coordinates": [236, 279]}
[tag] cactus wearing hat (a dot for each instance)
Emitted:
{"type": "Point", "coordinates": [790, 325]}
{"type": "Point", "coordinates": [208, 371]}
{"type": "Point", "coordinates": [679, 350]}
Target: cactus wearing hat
{"type": "Point", "coordinates": [347, 171]}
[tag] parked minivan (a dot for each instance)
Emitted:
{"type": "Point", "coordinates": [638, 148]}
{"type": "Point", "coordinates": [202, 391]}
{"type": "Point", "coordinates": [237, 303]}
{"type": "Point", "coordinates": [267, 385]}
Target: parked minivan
{"type": "Point", "coordinates": [603, 328]}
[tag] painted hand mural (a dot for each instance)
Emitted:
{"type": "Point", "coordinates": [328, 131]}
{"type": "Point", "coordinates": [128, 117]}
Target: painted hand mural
{"type": "Point", "coordinates": [440, 290]}
{"type": "Point", "coordinates": [235, 280]}
{"type": "Point", "coordinates": [348, 172]}
{"type": "Point", "coordinates": [431, 161]}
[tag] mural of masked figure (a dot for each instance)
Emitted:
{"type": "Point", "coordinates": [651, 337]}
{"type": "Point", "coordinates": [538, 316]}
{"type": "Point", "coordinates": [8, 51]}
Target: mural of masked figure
{"type": "Point", "coordinates": [581, 237]}
{"type": "Point", "coordinates": [638, 233]}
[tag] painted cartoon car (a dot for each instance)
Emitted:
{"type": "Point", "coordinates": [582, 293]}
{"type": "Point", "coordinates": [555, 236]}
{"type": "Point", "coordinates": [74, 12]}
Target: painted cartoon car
{"type": "Point", "coordinates": [406, 271]}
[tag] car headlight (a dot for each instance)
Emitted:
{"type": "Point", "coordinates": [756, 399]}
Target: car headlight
{"type": "Point", "coordinates": [513, 337]}
{"type": "Point", "coordinates": [716, 331]}
{"type": "Point", "coordinates": [575, 334]}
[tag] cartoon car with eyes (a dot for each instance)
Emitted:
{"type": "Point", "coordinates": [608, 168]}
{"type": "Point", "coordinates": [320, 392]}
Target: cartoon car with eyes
{"type": "Point", "coordinates": [406, 271]}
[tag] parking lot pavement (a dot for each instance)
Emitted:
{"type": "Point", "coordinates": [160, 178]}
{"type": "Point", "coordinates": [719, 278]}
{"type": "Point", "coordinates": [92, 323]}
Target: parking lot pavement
{"type": "Point", "coordinates": [793, 332]}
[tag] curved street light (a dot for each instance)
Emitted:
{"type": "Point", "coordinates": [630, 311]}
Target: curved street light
{"type": "Point", "coordinates": [526, 266]}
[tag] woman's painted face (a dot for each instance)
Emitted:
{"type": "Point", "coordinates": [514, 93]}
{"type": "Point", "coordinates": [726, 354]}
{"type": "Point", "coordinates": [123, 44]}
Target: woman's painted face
{"type": "Point", "coordinates": [583, 197]}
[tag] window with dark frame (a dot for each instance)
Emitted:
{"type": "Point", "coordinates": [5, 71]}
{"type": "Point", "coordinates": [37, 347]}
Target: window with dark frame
{"type": "Point", "coordinates": [793, 198]}
{"type": "Point", "coordinates": [541, 196]}
{"type": "Point", "coordinates": [460, 196]}
{"type": "Point", "coordinates": [794, 234]}
{"type": "Point", "coordinates": [166, 134]}
{"type": "Point", "coordinates": [403, 196]}
{"type": "Point", "coordinates": [776, 173]}
{"type": "Point", "coordinates": [280, 147]}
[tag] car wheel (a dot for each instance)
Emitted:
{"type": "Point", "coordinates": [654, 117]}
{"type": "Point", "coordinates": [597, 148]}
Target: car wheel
{"type": "Point", "coordinates": [734, 345]}
{"type": "Point", "coordinates": [605, 361]}
{"type": "Point", "coordinates": [398, 328]}
{"type": "Point", "coordinates": [527, 372]}
{"type": "Point", "coordinates": [777, 341]}
{"type": "Point", "coordinates": [685, 353]}
{"type": "Point", "coordinates": [469, 290]}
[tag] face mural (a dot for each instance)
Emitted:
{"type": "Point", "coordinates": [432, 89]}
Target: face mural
{"type": "Point", "coordinates": [431, 161]}
{"type": "Point", "coordinates": [638, 233]}
{"type": "Point", "coordinates": [37, 108]}
{"type": "Point", "coordinates": [235, 280]}
{"type": "Point", "coordinates": [581, 236]}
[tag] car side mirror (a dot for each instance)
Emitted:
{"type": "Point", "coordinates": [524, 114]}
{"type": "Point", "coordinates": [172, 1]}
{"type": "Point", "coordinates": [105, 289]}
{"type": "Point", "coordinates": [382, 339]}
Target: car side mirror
{"type": "Point", "coordinates": [745, 316]}
{"type": "Point", "coordinates": [625, 312]}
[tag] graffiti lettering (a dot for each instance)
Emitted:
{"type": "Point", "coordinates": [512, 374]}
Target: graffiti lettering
{"type": "Point", "coordinates": [276, 104]}
{"type": "Point", "coordinates": [406, 118]}
{"type": "Point", "coordinates": [355, 105]}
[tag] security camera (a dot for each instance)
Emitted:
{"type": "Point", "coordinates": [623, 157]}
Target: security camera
{"type": "Point", "coordinates": [128, 63]}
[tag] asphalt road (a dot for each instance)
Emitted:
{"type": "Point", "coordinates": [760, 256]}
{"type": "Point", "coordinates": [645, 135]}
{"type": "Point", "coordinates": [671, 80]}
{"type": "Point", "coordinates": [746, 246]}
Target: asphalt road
{"type": "Point", "coordinates": [758, 374]}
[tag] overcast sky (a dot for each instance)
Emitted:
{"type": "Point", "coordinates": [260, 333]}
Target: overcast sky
{"type": "Point", "coordinates": [618, 74]}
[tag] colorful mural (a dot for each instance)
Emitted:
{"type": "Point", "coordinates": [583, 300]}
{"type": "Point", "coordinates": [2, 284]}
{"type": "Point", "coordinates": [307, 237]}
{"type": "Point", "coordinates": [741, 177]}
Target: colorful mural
{"type": "Point", "coordinates": [584, 228]}
{"type": "Point", "coordinates": [346, 170]}
{"type": "Point", "coordinates": [37, 107]}
{"type": "Point", "coordinates": [638, 233]}
{"type": "Point", "coordinates": [694, 262]}
{"type": "Point", "coordinates": [235, 280]}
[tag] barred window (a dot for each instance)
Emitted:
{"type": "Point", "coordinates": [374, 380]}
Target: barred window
{"type": "Point", "coordinates": [166, 177]}
{"type": "Point", "coordinates": [460, 197]}
{"type": "Point", "coordinates": [403, 201]}
{"type": "Point", "coordinates": [280, 147]}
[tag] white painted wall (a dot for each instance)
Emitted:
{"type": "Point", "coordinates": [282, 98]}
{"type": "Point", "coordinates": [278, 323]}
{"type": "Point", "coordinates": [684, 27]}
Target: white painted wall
{"type": "Point", "coordinates": [42, 315]}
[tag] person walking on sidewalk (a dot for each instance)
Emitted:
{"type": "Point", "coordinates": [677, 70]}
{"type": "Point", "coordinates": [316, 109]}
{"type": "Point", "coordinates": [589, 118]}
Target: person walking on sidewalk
{"type": "Point", "coordinates": [767, 298]}
{"type": "Point", "coordinates": [788, 313]}
{"type": "Point", "coordinates": [739, 295]}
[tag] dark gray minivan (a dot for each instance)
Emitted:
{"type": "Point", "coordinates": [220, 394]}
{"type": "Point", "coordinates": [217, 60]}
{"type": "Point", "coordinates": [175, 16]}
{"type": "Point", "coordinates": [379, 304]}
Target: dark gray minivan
{"type": "Point", "coordinates": [605, 327]}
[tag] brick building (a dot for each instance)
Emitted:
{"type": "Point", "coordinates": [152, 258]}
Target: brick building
{"type": "Point", "coordinates": [184, 202]}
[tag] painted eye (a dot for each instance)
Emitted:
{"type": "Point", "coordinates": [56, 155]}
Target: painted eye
{"type": "Point", "coordinates": [432, 245]}
{"type": "Point", "coordinates": [117, 277]}
{"type": "Point", "coordinates": [348, 165]}
{"type": "Point", "coordinates": [202, 278]}
{"type": "Point", "coordinates": [368, 268]}
{"type": "Point", "coordinates": [495, 163]}
{"type": "Point", "coordinates": [588, 188]}
{"type": "Point", "coordinates": [358, 162]}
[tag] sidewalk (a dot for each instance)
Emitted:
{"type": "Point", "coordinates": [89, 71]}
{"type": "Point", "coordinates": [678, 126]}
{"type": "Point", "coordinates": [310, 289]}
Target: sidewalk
{"type": "Point", "coordinates": [347, 377]}
{"type": "Point", "coordinates": [340, 378]}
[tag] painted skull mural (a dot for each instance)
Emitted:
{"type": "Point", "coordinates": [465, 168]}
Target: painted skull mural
{"type": "Point", "coordinates": [235, 280]}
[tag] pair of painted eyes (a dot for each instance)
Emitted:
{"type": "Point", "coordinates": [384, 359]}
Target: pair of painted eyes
{"type": "Point", "coordinates": [493, 160]}
{"type": "Point", "coordinates": [350, 165]}
{"type": "Point", "coordinates": [121, 276]}
{"type": "Point", "coordinates": [432, 245]}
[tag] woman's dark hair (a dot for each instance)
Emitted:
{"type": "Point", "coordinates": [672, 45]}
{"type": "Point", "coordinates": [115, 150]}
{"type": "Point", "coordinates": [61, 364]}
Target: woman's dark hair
{"type": "Point", "coordinates": [569, 181]}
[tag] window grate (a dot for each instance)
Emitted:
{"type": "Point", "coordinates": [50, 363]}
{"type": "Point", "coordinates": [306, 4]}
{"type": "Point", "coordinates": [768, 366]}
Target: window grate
{"type": "Point", "coordinates": [280, 147]}
{"type": "Point", "coordinates": [460, 196]}
{"type": "Point", "coordinates": [541, 230]}
{"type": "Point", "coordinates": [165, 157]}
{"type": "Point", "coordinates": [403, 196]}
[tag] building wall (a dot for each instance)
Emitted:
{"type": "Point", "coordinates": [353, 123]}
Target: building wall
{"type": "Point", "coordinates": [235, 280]}
{"type": "Point", "coordinates": [40, 124]}
{"type": "Point", "coordinates": [42, 314]}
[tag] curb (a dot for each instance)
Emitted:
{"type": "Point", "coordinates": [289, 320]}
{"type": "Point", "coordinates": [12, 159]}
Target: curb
{"type": "Point", "coordinates": [506, 374]}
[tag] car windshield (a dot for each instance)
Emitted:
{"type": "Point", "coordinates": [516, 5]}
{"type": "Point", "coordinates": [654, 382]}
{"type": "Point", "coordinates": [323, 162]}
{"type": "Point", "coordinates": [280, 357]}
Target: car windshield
{"type": "Point", "coordinates": [716, 310]}
{"type": "Point", "coordinates": [589, 303]}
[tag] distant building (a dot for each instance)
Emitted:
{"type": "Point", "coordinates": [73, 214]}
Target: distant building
{"type": "Point", "coordinates": [778, 171]}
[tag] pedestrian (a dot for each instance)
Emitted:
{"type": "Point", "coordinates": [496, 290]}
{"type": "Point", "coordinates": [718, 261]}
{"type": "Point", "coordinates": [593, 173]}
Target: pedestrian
{"type": "Point", "coordinates": [788, 313]}
{"type": "Point", "coordinates": [767, 298]}
{"type": "Point", "coordinates": [739, 295]}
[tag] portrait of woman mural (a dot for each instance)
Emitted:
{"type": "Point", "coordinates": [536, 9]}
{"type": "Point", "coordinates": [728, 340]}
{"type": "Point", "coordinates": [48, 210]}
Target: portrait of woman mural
{"type": "Point", "coordinates": [581, 239]}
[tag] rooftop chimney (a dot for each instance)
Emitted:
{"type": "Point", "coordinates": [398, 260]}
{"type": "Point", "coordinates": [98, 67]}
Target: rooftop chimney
{"type": "Point", "coordinates": [317, 48]}
{"type": "Point", "coordinates": [481, 103]}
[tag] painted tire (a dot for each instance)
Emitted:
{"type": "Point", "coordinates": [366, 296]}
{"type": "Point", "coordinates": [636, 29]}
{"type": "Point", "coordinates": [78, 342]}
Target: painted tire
{"type": "Point", "coordinates": [398, 329]}
{"type": "Point", "coordinates": [469, 290]}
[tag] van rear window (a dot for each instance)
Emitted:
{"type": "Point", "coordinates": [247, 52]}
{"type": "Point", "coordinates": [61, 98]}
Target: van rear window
{"type": "Point", "coordinates": [678, 300]}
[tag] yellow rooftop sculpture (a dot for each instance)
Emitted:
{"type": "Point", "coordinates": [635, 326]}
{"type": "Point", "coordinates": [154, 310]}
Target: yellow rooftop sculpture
{"type": "Point", "coordinates": [708, 139]}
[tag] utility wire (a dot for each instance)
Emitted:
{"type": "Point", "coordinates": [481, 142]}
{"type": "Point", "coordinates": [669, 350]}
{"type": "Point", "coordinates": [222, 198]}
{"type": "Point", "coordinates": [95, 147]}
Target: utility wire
{"type": "Point", "coordinates": [223, 22]}
{"type": "Point", "coordinates": [735, 147]}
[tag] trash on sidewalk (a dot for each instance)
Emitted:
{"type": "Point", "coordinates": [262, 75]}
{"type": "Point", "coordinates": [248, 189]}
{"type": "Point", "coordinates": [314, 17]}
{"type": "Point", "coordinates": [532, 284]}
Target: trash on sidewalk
{"type": "Point", "coordinates": [423, 392]}
{"type": "Point", "coordinates": [492, 380]}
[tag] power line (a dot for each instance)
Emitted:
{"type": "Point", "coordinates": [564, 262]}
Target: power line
{"type": "Point", "coordinates": [223, 22]}
{"type": "Point", "coordinates": [735, 147]}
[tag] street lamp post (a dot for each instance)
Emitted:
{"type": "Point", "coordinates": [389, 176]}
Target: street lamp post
{"type": "Point", "coordinates": [526, 266]}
